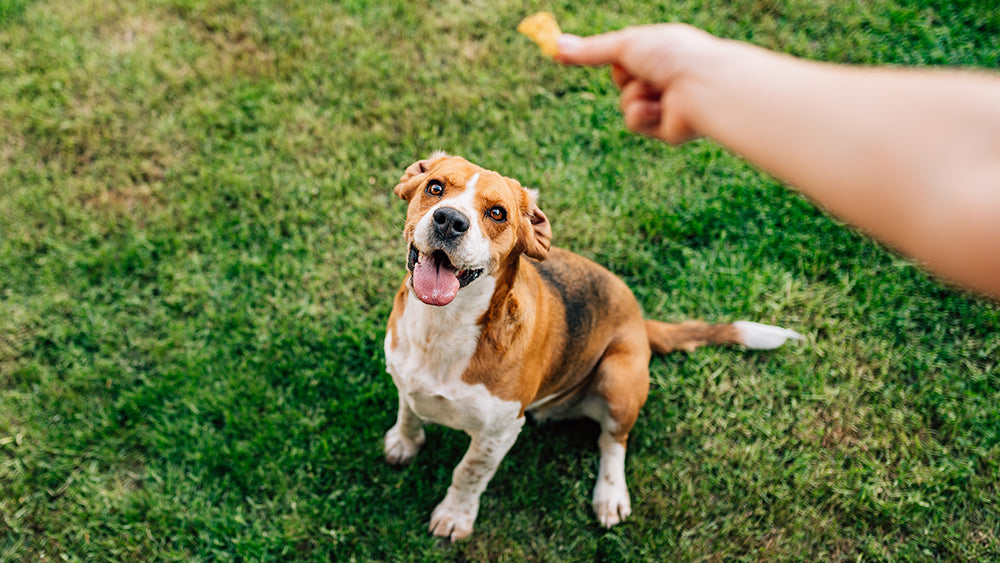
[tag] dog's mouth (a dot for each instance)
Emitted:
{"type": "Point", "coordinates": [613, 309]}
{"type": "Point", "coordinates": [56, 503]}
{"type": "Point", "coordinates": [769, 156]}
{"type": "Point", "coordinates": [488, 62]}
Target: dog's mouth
{"type": "Point", "coordinates": [435, 280]}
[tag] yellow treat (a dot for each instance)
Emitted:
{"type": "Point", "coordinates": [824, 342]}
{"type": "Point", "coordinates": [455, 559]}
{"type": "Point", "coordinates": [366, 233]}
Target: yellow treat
{"type": "Point", "coordinates": [542, 29]}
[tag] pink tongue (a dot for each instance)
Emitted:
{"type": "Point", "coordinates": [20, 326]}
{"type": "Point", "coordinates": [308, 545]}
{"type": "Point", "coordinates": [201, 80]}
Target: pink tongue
{"type": "Point", "coordinates": [434, 284]}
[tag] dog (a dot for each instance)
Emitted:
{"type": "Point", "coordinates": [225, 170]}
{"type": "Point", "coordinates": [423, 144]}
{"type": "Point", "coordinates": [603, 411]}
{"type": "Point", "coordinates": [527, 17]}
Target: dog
{"type": "Point", "coordinates": [492, 322]}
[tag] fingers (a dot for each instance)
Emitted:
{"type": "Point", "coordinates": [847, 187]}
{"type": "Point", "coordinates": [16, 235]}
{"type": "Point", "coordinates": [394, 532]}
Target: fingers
{"type": "Point", "coordinates": [643, 116]}
{"type": "Point", "coordinates": [640, 104]}
{"type": "Point", "coordinates": [620, 75]}
{"type": "Point", "coordinates": [644, 66]}
{"type": "Point", "coordinates": [641, 107]}
{"type": "Point", "coordinates": [648, 111]}
{"type": "Point", "coordinates": [595, 50]}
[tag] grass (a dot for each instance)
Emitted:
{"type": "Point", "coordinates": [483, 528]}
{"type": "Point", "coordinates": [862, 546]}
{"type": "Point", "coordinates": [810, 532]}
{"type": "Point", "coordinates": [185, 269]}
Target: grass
{"type": "Point", "coordinates": [199, 245]}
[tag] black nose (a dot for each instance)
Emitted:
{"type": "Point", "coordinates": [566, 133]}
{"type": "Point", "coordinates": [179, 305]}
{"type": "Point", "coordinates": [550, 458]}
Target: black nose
{"type": "Point", "coordinates": [450, 222]}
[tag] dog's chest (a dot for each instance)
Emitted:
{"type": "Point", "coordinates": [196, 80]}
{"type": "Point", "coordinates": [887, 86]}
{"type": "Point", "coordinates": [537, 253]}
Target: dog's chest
{"type": "Point", "coordinates": [433, 348]}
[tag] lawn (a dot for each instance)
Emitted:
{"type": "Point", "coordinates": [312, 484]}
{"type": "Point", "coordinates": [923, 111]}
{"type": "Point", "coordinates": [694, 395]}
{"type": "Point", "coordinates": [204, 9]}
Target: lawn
{"type": "Point", "coordinates": [199, 246]}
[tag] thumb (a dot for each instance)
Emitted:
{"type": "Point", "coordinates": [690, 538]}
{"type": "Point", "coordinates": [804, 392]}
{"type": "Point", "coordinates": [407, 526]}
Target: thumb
{"type": "Point", "coordinates": [595, 50]}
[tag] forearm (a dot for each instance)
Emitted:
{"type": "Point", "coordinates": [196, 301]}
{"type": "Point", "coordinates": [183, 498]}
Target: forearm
{"type": "Point", "coordinates": [911, 157]}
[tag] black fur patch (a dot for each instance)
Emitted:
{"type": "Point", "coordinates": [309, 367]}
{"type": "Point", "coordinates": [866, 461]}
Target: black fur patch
{"type": "Point", "coordinates": [582, 292]}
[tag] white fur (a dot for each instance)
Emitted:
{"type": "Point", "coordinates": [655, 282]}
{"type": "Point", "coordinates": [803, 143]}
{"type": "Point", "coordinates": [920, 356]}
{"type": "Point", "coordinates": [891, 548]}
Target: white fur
{"type": "Point", "coordinates": [471, 184]}
{"type": "Point", "coordinates": [541, 402]}
{"type": "Point", "coordinates": [434, 346]}
{"type": "Point", "coordinates": [611, 499]}
{"type": "Point", "coordinates": [764, 337]}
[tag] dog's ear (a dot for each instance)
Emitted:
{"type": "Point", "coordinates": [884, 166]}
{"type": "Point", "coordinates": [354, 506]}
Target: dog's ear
{"type": "Point", "coordinates": [414, 174]}
{"type": "Point", "coordinates": [536, 233]}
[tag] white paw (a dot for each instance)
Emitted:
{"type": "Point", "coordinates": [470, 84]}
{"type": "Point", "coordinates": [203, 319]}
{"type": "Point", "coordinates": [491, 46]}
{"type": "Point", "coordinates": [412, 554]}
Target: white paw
{"type": "Point", "coordinates": [454, 519]}
{"type": "Point", "coordinates": [611, 503]}
{"type": "Point", "coordinates": [400, 449]}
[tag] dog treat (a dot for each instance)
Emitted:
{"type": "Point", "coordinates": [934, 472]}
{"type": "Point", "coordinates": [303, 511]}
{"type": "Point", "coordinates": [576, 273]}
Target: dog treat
{"type": "Point", "coordinates": [542, 29]}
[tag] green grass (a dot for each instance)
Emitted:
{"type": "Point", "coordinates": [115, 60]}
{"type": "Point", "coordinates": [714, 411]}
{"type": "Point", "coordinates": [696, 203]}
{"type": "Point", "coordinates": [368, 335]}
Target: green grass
{"type": "Point", "coordinates": [199, 245]}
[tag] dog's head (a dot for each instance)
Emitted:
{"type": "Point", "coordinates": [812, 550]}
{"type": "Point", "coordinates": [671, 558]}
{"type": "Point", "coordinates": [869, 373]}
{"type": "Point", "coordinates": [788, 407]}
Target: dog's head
{"type": "Point", "coordinates": [464, 221]}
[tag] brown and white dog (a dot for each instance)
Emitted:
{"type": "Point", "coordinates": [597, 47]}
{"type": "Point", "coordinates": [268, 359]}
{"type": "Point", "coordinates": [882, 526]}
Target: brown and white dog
{"type": "Point", "coordinates": [491, 323]}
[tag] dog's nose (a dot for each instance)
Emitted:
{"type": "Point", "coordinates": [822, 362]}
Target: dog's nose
{"type": "Point", "coordinates": [450, 222]}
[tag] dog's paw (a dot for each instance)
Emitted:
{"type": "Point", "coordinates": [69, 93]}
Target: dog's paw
{"type": "Point", "coordinates": [453, 519]}
{"type": "Point", "coordinates": [400, 449]}
{"type": "Point", "coordinates": [611, 503]}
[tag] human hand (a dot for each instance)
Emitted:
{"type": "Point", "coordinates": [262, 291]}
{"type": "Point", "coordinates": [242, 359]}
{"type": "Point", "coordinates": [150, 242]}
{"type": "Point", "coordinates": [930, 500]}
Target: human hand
{"type": "Point", "coordinates": [655, 66]}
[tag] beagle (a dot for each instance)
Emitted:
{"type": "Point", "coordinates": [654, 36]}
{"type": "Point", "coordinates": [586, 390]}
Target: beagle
{"type": "Point", "coordinates": [491, 322]}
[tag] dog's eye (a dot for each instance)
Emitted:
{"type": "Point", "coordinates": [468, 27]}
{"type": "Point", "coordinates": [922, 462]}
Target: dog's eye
{"type": "Point", "coordinates": [434, 188]}
{"type": "Point", "coordinates": [498, 214]}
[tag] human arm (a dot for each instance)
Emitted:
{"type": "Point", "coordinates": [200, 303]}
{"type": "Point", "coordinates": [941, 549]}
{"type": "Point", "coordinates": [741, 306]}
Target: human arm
{"type": "Point", "coordinates": [911, 157]}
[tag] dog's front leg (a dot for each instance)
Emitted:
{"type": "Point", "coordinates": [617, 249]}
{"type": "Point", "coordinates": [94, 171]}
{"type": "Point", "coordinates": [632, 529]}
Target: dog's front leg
{"type": "Point", "coordinates": [455, 515]}
{"type": "Point", "coordinates": [404, 439]}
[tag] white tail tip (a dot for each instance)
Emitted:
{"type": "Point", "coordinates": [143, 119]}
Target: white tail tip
{"type": "Point", "coordinates": [764, 337]}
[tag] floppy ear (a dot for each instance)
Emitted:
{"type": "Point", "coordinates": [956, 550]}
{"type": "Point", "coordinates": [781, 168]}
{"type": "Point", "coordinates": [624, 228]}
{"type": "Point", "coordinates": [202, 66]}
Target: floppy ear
{"type": "Point", "coordinates": [537, 233]}
{"type": "Point", "coordinates": [414, 174]}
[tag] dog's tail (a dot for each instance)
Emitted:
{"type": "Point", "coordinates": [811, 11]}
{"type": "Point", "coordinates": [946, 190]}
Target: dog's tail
{"type": "Point", "coordinates": [688, 335]}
